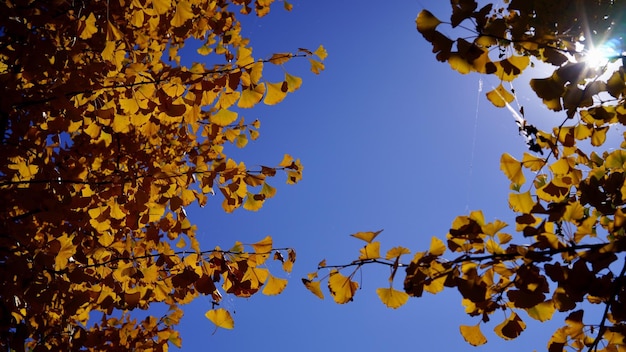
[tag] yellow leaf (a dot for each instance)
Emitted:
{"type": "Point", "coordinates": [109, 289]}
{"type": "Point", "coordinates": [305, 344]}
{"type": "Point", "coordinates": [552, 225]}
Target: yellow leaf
{"type": "Point", "coordinates": [274, 286]}
{"type": "Point", "coordinates": [287, 161]}
{"type": "Point", "coordinates": [251, 96]}
{"type": "Point", "coordinates": [500, 97]}
{"type": "Point", "coordinates": [370, 251]}
{"type": "Point", "coordinates": [155, 212]}
{"type": "Point", "coordinates": [512, 169]}
{"type": "Point", "coordinates": [293, 82]}
{"type": "Point", "coordinates": [426, 21]}
{"type": "Point", "coordinates": [105, 239]}
{"type": "Point", "coordinates": [473, 335]}
{"type": "Point", "coordinates": [598, 136]}
{"type": "Point", "coordinates": [276, 92]}
{"type": "Point", "coordinates": [316, 66]}
{"type": "Point", "coordinates": [366, 236]}
{"type": "Point", "coordinates": [396, 252]}
{"type": "Point", "coordinates": [532, 162]}
{"type": "Point", "coordinates": [521, 202]}
{"type": "Point", "coordinates": [26, 171]}
{"type": "Point", "coordinates": [88, 26]}
{"type": "Point", "coordinates": [341, 287]}
{"type": "Point", "coordinates": [392, 298]}
{"type": "Point", "coordinates": [221, 318]}
{"type": "Point", "coordinates": [116, 211]}
{"type": "Point", "coordinates": [511, 328]}
{"type": "Point", "coordinates": [560, 167]}
{"type": "Point", "coordinates": [223, 117]}
{"type": "Point", "coordinates": [244, 57]}
{"type": "Point", "coordinates": [268, 191]}
{"type": "Point", "coordinates": [241, 140]}
{"type": "Point", "coordinates": [204, 50]}
{"type": "Point", "coordinates": [314, 287]}
{"type": "Point", "coordinates": [113, 33]}
{"type": "Point", "coordinates": [320, 52]}
{"type": "Point", "coordinates": [542, 311]}
{"type": "Point", "coordinates": [437, 247]}
{"type": "Point", "coordinates": [459, 64]}
{"type": "Point", "coordinates": [66, 251]}
{"type": "Point", "coordinates": [251, 203]}
{"type": "Point", "coordinates": [263, 246]}
{"type": "Point", "coordinates": [161, 6]}
{"type": "Point", "coordinates": [493, 247]}
{"type": "Point", "coordinates": [182, 14]}
{"type": "Point", "coordinates": [255, 71]}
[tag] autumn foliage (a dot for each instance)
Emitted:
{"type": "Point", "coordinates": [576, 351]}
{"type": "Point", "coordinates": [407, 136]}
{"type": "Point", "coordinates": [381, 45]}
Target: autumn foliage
{"type": "Point", "coordinates": [565, 252]}
{"type": "Point", "coordinates": [106, 136]}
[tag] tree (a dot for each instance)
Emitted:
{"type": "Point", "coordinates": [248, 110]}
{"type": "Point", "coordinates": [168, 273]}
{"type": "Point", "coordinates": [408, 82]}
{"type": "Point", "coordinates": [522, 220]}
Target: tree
{"type": "Point", "coordinates": [567, 192]}
{"type": "Point", "coordinates": [106, 138]}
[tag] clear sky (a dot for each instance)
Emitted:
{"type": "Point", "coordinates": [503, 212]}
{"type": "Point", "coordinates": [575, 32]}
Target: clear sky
{"type": "Point", "coordinates": [390, 139]}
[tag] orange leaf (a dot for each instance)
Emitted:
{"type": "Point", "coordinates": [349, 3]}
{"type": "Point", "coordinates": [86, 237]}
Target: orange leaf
{"type": "Point", "coordinates": [341, 287]}
{"type": "Point", "coordinates": [314, 287]}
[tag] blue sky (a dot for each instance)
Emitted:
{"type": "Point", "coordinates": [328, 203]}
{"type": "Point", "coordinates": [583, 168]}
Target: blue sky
{"type": "Point", "coordinates": [390, 139]}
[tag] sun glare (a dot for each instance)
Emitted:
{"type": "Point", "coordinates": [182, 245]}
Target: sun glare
{"type": "Point", "coordinates": [601, 55]}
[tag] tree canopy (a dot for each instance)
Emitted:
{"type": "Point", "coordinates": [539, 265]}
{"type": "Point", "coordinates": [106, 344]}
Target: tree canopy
{"type": "Point", "coordinates": [566, 252]}
{"type": "Point", "coordinates": [106, 138]}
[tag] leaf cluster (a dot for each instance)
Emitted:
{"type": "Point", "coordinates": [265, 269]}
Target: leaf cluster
{"type": "Point", "coordinates": [566, 253]}
{"type": "Point", "coordinates": [106, 137]}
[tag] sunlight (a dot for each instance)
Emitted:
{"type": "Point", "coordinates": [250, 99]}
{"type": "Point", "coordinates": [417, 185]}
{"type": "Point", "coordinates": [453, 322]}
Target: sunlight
{"type": "Point", "coordinates": [601, 55]}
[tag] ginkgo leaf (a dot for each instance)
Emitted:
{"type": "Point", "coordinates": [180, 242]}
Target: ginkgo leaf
{"type": "Point", "coordinates": [314, 287]}
{"type": "Point", "coordinates": [221, 318]}
{"type": "Point", "coordinates": [293, 82]}
{"type": "Point", "coordinates": [500, 96]}
{"type": "Point", "coordinates": [88, 27]}
{"type": "Point", "coordinates": [437, 247]}
{"type": "Point", "coordinates": [274, 286]}
{"type": "Point", "coordinates": [287, 161]}
{"type": "Point", "coordinates": [320, 52]}
{"type": "Point", "coordinates": [521, 202]}
{"type": "Point", "coordinates": [263, 246]}
{"type": "Point", "coordinates": [182, 14]}
{"type": "Point", "coordinates": [366, 236]}
{"type": "Point", "coordinates": [276, 92]}
{"type": "Point", "coordinates": [204, 50]}
{"type": "Point", "coordinates": [66, 250]}
{"type": "Point", "coordinates": [542, 311]}
{"type": "Point", "coordinates": [251, 203]}
{"type": "Point", "coordinates": [280, 58]}
{"type": "Point", "coordinates": [341, 287]}
{"type": "Point", "coordinates": [251, 96]}
{"type": "Point", "coordinates": [512, 169]}
{"type": "Point", "coordinates": [396, 252]}
{"type": "Point", "coordinates": [532, 162]}
{"type": "Point", "coordinates": [426, 21]}
{"type": "Point", "coordinates": [223, 117]}
{"type": "Point", "coordinates": [244, 57]}
{"type": "Point", "coordinates": [370, 251]}
{"type": "Point", "coordinates": [392, 298]}
{"type": "Point", "coordinates": [316, 66]}
{"type": "Point", "coordinates": [511, 328]}
{"type": "Point", "coordinates": [473, 335]}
